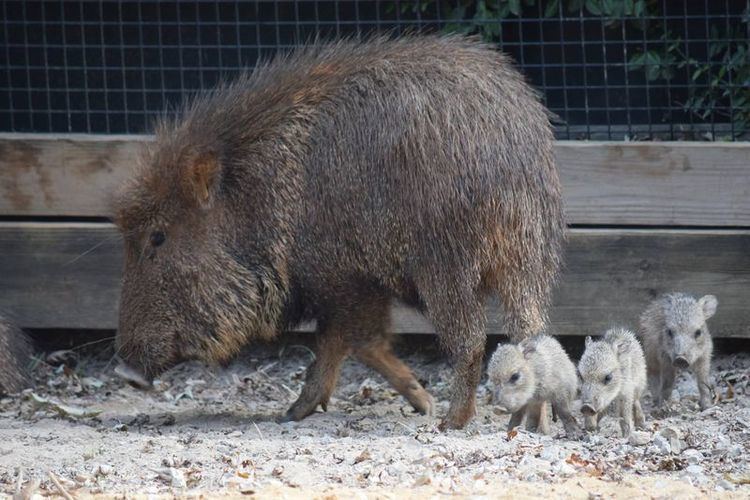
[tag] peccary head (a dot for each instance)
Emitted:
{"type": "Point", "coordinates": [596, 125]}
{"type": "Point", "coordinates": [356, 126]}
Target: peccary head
{"type": "Point", "coordinates": [512, 375]}
{"type": "Point", "coordinates": [684, 333]}
{"type": "Point", "coordinates": [194, 286]}
{"type": "Point", "coordinates": [601, 374]}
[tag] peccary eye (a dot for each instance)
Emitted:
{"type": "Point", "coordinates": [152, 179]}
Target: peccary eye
{"type": "Point", "coordinates": [157, 238]}
{"type": "Point", "coordinates": [697, 333]}
{"type": "Point", "coordinates": [608, 379]}
{"type": "Point", "coordinates": [514, 378]}
{"type": "Point", "coordinates": [670, 333]}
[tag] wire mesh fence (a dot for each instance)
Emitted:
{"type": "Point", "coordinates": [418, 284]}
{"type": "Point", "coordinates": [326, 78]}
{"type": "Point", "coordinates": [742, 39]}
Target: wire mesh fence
{"type": "Point", "coordinates": [610, 69]}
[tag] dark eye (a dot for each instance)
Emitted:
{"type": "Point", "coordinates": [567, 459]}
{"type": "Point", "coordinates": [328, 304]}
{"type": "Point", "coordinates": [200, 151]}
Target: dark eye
{"type": "Point", "coordinates": [608, 379]}
{"type": "Point", "coordinates": [157, 238]}
{"type": "Point", "coordinates": [514, 378]}
{"type": "Point", "coordinates": [697, 333]}
{"type": "Point", "coordinates": [670, 333]}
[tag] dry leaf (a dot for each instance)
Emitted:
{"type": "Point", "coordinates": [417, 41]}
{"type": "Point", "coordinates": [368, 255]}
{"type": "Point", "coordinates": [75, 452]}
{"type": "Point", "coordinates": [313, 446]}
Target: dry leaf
{"type": "Point", "coordinates": [365, 455]}
{"type": "Point", "coordinates": [63, 409]}
{"type": "Point", "coordinates": [737, 479]}
{"type": "Point", "coordinates": [730, 391]}
{"type": "Point", "coordinates": [512, 433]}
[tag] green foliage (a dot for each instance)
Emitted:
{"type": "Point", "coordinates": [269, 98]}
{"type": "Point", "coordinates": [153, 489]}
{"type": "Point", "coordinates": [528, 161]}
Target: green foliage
{"type": "Point", "coordinates": [721, 81]}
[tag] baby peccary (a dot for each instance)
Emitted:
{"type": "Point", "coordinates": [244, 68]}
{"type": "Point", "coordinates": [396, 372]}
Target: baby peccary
{"type": "Point", "coordinates": [15, 354]}
{"type": "Point", "coordinates": [329, 182]}
{"type": "Point", "coordinates": [613, 370]}
{"type": "Point", "coordinates": [675, 335]}
{"type": "Point", "coordinates": [527, 375]}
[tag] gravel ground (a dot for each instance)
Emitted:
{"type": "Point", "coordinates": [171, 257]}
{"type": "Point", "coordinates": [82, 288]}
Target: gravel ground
{"type": "Point", "coordinates": [214, 432]}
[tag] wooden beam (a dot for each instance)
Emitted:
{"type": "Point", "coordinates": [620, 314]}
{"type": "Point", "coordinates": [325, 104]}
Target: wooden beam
{"type": "Point", "coordinates": [67, 275]}
{"type": "Point", "coordinates": [604, 183]}
{"type": "Point", "coordinates": [656, 183]}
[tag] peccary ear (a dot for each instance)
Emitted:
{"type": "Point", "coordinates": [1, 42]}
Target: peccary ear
{"type": "Point", "coordinates": [588, 341]}
{"type": "Point", "coordinates": [203, 178]}
{"type": "Point", "coordinates": [708, 303]}
{"type": "Point", "coordinates": [528, 349]}
{"type": "Point", "coordinates": [622, 348]}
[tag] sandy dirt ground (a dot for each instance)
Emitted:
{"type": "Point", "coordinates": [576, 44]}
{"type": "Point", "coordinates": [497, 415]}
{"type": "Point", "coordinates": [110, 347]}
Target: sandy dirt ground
{"type": "Point", "coordinates": [214, 432]}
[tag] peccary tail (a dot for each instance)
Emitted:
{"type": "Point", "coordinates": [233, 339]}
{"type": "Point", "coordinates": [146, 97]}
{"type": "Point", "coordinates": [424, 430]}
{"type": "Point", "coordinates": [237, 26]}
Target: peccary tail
{"type": "Point", "coordinates": [15, 357]}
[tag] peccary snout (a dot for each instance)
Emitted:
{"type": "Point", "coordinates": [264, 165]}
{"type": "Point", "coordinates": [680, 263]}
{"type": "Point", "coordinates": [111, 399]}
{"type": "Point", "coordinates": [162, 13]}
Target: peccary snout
{"type": "Point", "coordinates": [588, 410]}
{"type": "Point", "coordinates": [133, 377]}
{"type": "Point", "coordinates": [681, 362]}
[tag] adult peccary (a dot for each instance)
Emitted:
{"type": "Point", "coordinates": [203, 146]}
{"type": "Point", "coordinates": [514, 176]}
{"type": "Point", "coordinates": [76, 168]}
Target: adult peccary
{"type": "Point", "coordinates": [675, 336]}
{"type": "Point", "coordinates": [324, 184]}
{"type": "Point", "coordinates": [613, 370]}
{"type": "Point", "coordinates": [527, 375]}
{"type": "Point", "coordinates": [15, 358]}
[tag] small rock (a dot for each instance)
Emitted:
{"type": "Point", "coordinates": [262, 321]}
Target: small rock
{"type": "Point", "coordinates": [694, 473]}
{"type": "Point", "coordinates": [551, 453]}
{"type": "Point", "coordinates": [175, 477]}
{"type": "Point", "coordinates": [82, 478]}
{"type": "Point", "coordinates": [563, 469]}
{"type": "Point", "coordinates": [725, 485]}
{"type": "Point", "coordinates": [662, 445]}
{"type": "Point", "coordinates": [735, 451]}
{"type": "Point", "coordinates": [234, 434]}
{"type": "Point", "coordinates": [423, 480]}
{"type": "Point", "coordinates": [101, 470]}
{"type": "Point", "coordinates": [672, 435]}
{"type": "Point", "coordinates": [692, 456]}
{"type": "Point", "coordinates": [639, 438]}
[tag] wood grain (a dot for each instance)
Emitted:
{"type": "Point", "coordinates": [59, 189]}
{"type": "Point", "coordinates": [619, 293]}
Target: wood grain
{"type": "Point", "coordinates": [67, 275]}
{"type": "Point", "coordinates": [604, 183]}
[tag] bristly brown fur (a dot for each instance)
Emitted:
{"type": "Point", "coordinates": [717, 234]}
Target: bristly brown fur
{"type": "Point", "coordinates": [325, 183]}
{"type": "Point", "coordinates": [15, 358]}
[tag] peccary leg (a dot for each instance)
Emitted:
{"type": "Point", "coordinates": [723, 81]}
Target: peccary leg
{"type": "Point", "coordinates": [534, 415]}
{"type": "Point", "coordinates": [544, 419]}
{"type": "Point", "coordinates": [702, 370]}
{"type": "Point", "coordinates": [655, 386]}
{"type": "Point", "coordinates": [537, 417]}
{"type": "Point", "coordinates": [572, 430]}
{"type": "Point", "coordinates": [667, 383]}
{"type": "Point", "coordinates": [626, 416]}
{"type": "Point", "coordinates": [462, 408]}
{"type": "Point", "coordinates": [640, 420]}
{"type": "Point", "coordinates": [516, 418]}
{"type": "Point", "coordinates": [322, 373]}
{"type": "Point", "coordinates": [591, 422]}
{"type": "Point", "coordinates": [379, 356]}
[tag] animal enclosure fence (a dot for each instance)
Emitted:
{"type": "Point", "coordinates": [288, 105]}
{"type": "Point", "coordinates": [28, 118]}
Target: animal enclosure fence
{"type": "Point", "coordinates": [615, 69]}
{"type": "Point", "coordinates": [80, 82]}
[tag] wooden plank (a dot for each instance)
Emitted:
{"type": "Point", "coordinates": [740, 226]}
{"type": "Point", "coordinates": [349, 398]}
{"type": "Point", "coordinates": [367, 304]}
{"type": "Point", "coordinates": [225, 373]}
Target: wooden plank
{"type": "Point", "coordinates": [63, 175]}
{"type": "Point", "coordinates": [66, 275]}
{"type": "Point", "coordinates": [656, 183]}
{"type": "Point", "coordinates": [607, 183]}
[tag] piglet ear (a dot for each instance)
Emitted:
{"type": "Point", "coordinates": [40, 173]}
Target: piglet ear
{"type": "Point", "coordinates": [708, 303]}
{"type": "Point", "coordinates": [202, 178]}
{"type": "Point", "coordinates": [588, 341]}
{"type": "Point", "coordinates": [528, 349]}
{"type": "Point", "coordinates": [622, 348]}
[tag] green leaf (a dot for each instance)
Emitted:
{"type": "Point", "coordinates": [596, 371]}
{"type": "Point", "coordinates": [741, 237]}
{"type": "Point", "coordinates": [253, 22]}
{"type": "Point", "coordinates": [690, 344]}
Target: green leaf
{"type": "Point", "coordinates": [515, 7]}
{"type": "Point", "coordinates": [697, 73]}
{"type": "Point", "coordinates": [594, 7]}
{"type": "Point", "coordinates": [552, 8]}
{"type": "Point", "coordinates": [575, 5]}
{"type": "Point", "coordinates": [639, 8]}
{"type": "Point", "coordinates": [637, 61]}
